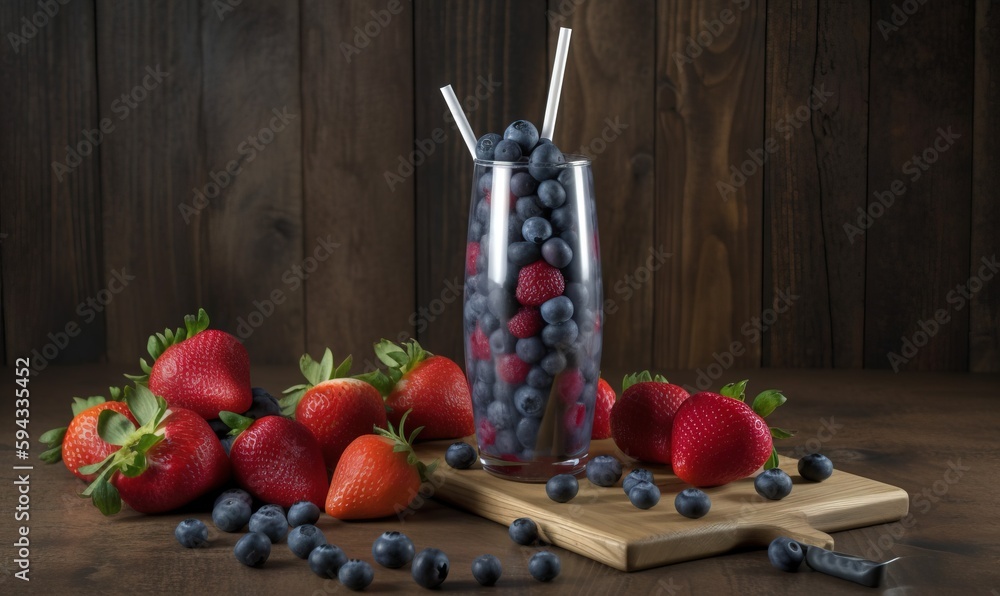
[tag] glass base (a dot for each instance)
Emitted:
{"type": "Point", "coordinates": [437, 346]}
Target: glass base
{"type": "Point", "coordinates": [538, 470]}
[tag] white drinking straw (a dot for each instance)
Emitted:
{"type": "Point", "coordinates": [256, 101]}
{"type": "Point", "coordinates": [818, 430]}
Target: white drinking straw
{"type": "Point", "coordinates": [555, 85]}
{"type": "Point", "coordinates": [463, 123]}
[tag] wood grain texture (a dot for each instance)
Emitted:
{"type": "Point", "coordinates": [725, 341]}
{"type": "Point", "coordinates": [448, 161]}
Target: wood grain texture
{"type": "Point", "coordinates": [51, 251]}
{"type": "Point", "coordinates": [494, 56]}
{"type": "Point", "coordinates": [252, 124]}
{"type": "Point", "coordinates": [710, 116]}
{"type": "Point", "coordinates": [606, 111]}
{"type": "Point", "coordinates": [150, 165]}
{"type": "Point", "coordinates": [918, 249]}
{"type": "Point", "coordinates": [984, 311]}
{"type": "Point", "coordinates": [814, 183]}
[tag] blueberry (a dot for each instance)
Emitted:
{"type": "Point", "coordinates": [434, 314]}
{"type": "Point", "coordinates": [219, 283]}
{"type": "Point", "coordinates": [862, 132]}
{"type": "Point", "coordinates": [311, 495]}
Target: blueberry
{"type": "Point", "coordinates": [326, 560]}
{"type": "Point", "coordinates": [483, 213]}
{"type": "Point", "coordinates": [815, 467]}
{"type": "Point", "coordinates": [486, 145]}
{"type": "Point", "coordinates": [503, 392]}
{"type": "Point", "coordinates": [523, 531]}
{"type": "Point", "coordinates": [545, 161]}
{"type": "Point", "coordinates": [235, 493]}
{"type": "Point", "coordinates": [506, 441]}
{"type": "Point", "coordinates": [394, 549]}
{"type": "Point", "coordinates": [527, 432]}
{"type": "Point", "coordinates": [554, 363]}
{"type": "Point", "coordinates": [356, 575]}
{"type": "Point", "coordinates": [191, 533]}
{"type": "Point", "coordinates": [563, 218]}
{"type": "Point", "coordinates": [486, 569]}
{"type": "Point", "coordinates": [502, 303]}
{"type": "Point", "coordinates": [561, 488]}
{"type": "Point", "coordinates": [557, 310]}
{"type": "Point", "coordinates": [527, 208]}
{"type": "Point", "coordinates": [264, 404]}
{"type": "Point", "coordinates": [636, 476]}
{"type": "Point", "coordinates": [489, 322]}
{"type": "Point", "coordinates": [502, 342]}
{"type": "Point", "coordinates": [523, 185]}
{"type": "Point", "coordinates": [577, 292]}
{"type": "Point", "coordinates": [530, 350]}
{"type": "Point", "coordinates": [557, 252]}
{"type": "Point", "coordinates": [303, 512]}
{"type": "Point", "coordinates": [475, 307]}
{"type": "Point", "coordinates": [786, 554]}
{"type": "Point", "coordinates": [430, 568]}
{"type": "Point", "coordinates": [644, 495]}
{"type": "Point", "coordinates": [515, 225]}
{"type": "Point", "coordinates": [551, 194]}
{"type": "Point", "coordinates": [252, 550]}
{"type": "Point", "coordinates": [270, 523]}
{"type": "Point", "coordinates": [303, 539]}
{"type": "Point", "coordinates": [482, 395]}
{"type": "Point", "coordinates": [220, 428]}
{"type": "Point", "coordinates": [529, 401]}
{"type": "Point", "coordinates": [475, 229]}
{"type": "Point", "coordinates": [523, 133]}
{"type": "Point", "coordinates": [500, 415]}
{"type": "Point", "coordinates": [231, 514]}
{"type": "Point", "coordinates": [567, 178]}
{"type": "Point", "coordinates": [560, 334]}
{"type": "Point", "coordinates": [487, 374]}
{"type": "Point", "coordinates": [507, 150]}
{"type": "Point", "coordinates": [544, 566]}
{"type": "Point", "coordinates": [460, 455]}
{"type": "Point", "coordinates": [485, 183]}
{"type": "Point", "coordinates": [536, 229]}
{"type": "Point", "coordinates": [604, 470]}
{"type": "Point", "coordinates": [278, 508]}
{"type": "Point", "coordinates": [692, 503]}
{"type": "Point", "coordinates": [773, 484]}
{"type": "Point", "coordinates": [523, 253]}
{"type": "Point", "coordinates": [538, 378]}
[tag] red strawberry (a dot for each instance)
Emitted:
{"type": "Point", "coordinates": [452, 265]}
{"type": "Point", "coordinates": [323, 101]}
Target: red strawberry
{"type": "Point", "coordinates": [718, 438]}
{"type": "Point", "coordinates": [471, 254]}
{"type": "Point", "coordinates": [433, 387]}
{"type": "Point", "coordinates": [642, 418]}
{"type": "Point", "coordinates": [511, 369]}
{"type": "Point", "coordinates": [378, 476]}
{"type": "Point", "coordinates": [173, 458]}
{"type": "Point", "coordinates": [480, 344]}
{"type": "Point", "coordinates": [81, 445]}
{"type": "Point", "coordinates": [526, 323]}
{"type": "Point", "coordinates": [539, 282]}
{"type": "Point", "coordinates": [602, 411]}
{"type": "Point", "coordinates": [200, 369]}
{"type": "Point", "coordinates": [277, 460]}
{"type": "Point", "coordinates": [335, 408]}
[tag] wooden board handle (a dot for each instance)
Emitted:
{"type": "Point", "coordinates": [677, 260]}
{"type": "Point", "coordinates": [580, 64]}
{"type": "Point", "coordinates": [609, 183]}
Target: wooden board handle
{"type": "Point", "coordinates": [794, 526]}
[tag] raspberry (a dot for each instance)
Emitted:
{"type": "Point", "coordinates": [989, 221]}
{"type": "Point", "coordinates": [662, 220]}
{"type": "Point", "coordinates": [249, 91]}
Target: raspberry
{"type": "Point", "coordinates": [471, 254]}
{"type": "Point", "coordinates": [575, 416]}
{"type": "Point", "coordinates": [539, 282]}
{"type": "Point", "coordinates": [487, 433]}
{"type": "Point", "coordinates": [480, 344]}
{"type": "Point", "coordinates": [512, 369]}
{"type": "Point", "coordinates": [526, 323]}
{"type": "Point", "coordinates": [569, 386]}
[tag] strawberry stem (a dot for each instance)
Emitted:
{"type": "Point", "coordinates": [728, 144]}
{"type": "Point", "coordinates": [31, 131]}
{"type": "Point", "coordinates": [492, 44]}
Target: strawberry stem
{"type": "Point", "coordinates": [158, 343]}
{"type": "Point", "coordinates": [315, 373]}
{"type": "Point", "coordinates": [402, 443]}
{"type": "Point", "coordinates": [641, 377]}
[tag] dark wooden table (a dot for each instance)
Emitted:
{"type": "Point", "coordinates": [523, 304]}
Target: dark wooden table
{"type": "Point", "coordinates": [905, 429]}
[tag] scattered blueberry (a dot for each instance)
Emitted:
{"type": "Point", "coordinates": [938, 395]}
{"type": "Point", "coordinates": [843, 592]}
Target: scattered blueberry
{"type": "Point", "coordinates": [551, 194]}
{"type": "Point", "coordinates": [231, 514]}
{"type": "Point", "coordinates": [275, 506]}
{"type": "Point", "coordinates": [303, 539]}
{"type": "Point", "coordinates": [692, 503]}
{"type": "Point", "coordinates": [393, 549]}
{"type": "Point", "coordinates": [523, 531]}
{"type": "Point", "coordinates": [604, 470]}
{"type": "Point", "coordinates": [326, 560]}
{"type": "Point", "coordinates": [786, 554]}
{"type": "Point", "coordinates": [544, 566]}
{"type": "Point", "coordinates": [430, 567]}
{"type": "Point", "coordinates": [561, 488]}
{"type": "Point", "coordinates": [303, 512]}
{"type": "Point", "coordinates": [460, 455]}
{"type": "Point", "coordinates": [523, 253]}
{"type": "Point", "coordinates": [530, 349]}
{"type": "Point", "coordinates": [507, 150]}
{"type": "Point", "coordinates": [815, 467]}
{"type": "Point", "coordinates": [773, 484]}
{"type": "Point", "coordinates": [264, 404]}
{"type": "Point", "coordinates": [235, 493]}
{"type": "Point", "coordinates": [486, 569]}
{"type": "Point", "coordinates": [557, 310]}
{"type": "Point", "coordinates": [191, 533]}
{"type": "Point", "coordinates": [536, 229]}
{"type": "Point", "coordinates": [545, 161]}
{"type": "Point", "coordinates": [355, 574]}
{"type": "Point", "coordinates": [636, 476]}
{"type": "Point", "coordinates": [644, 495]}
{"type": "Point", "coordinates": [270, 523]}
{"type": "Point", "coordinates": [557, 253]}
{"type": "Point", "coordinates": [486, 145]}
{"type": "Point", "coordinates": [523, 133]}
{"type": "Point", "coordinates": [529, 401]}
{"type": "Point", "coordinates": [252, 550]}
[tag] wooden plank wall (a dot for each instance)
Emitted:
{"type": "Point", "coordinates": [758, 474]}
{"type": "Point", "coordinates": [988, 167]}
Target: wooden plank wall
{"type": "Point", "coordinates": [291, 168]}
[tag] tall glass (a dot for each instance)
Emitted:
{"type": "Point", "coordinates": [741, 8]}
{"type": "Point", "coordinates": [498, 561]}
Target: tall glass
{"type": "Point", "coordinates": [533, 316]}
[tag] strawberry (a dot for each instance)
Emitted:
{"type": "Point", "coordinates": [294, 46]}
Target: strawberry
{"type": "Point", "coordinates": [277, 459]}
{"type": "Point", "coordinates": [718, 438]}
{"type": "Point", "coordinates": [83, 440]}
{"type": "Point", "coordinates": [337, 409]}
{"type": "Point", "coordinates": [511, 369]}
{"type": "Point", "coordinates": [433, 387]}
{"type": "Point", "coordinates": [200, 369]}
{"type": "Point", "coordinates": [642, 418]}
{"type": "Point", "coordinates": [539, 282]}
{"type": "Point", "coordinates": [378, 475]}
{"type": "Point", "coordinates": [172, 458]}
{"type": "Point", "coordinates": [471, 254]}
{"type": "Point", "coordinates": [602, 411]}
{"type": "Point", "coordinates": [526, 323]}
{"type": "Point", "coordinates": [480, 344]}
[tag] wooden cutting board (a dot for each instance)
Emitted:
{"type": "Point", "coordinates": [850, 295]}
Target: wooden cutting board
{"type": "Point", "coordinates": [601, 524]}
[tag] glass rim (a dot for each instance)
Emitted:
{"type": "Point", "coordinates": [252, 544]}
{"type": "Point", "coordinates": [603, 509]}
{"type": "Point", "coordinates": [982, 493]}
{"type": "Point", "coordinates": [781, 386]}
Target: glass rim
{"type": "Point", "coordinates": [572, 160]}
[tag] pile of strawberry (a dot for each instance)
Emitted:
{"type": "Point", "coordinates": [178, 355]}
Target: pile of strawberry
{"type": "Point", "coordinates": [191, 424]}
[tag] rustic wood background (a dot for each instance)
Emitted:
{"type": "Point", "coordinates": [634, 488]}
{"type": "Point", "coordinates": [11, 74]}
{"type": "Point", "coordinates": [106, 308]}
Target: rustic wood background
{"type": "Point", "coordinates": [696, 94]}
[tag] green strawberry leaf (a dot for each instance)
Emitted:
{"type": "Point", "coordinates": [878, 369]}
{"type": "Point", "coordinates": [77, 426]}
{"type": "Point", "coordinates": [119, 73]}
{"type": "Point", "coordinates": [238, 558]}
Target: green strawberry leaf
{"type": "Point", "coordinates": [292, 397]}
{"type": "Point", "coordinates": [142, 404]}
{"type": "Point", "coordinates": [379, 380]}
{"type": "Point", "coordinates": [772, 462]}
{"type": "Point", "coordinates": [114, 427]}
{"type": "Point", "coordinates": [343, 369]}
{"type": "Point", "coordinates": [735, 390]}
{"type": "Point", "coordinates": [236, 422]}
{"type": "Point", "coordinates": [325, 367]}
{"type": "Point", "coordinates": [83, 403]}
{"type": "Point", "coordinates": [315, 373]}
{"type": "Point", "coordinates": [94, 468]}
{"type": "Point", "coordinates": [196, 324]}
{"type": "Point", "coordinates": [390, 354]}
{"type": "Point", "coordinates": [105, 496]}
{"type": "Point", "coordinates": [767, 401]}
{"type": "Point", "coordinates": [53, 437]}
{"type": "Point", "coordinates": [780, 433]}
{"type": "Point", "coordinates": [158, 343]}
{"type": "Point", "coordinates": [404, 444]}
{"type": "Point", "coordinates": [641, 377]}
{"type": "Point", "coordinates": [51, 456]}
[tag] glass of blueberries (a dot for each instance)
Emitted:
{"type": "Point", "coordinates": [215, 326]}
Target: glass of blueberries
{"type": "Point", "coordinates": [533, 305]}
